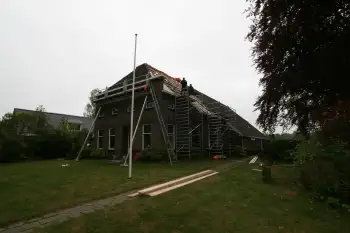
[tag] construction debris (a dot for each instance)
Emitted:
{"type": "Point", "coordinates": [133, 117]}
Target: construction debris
{"type": "Point", "coordinates": [254, 159]}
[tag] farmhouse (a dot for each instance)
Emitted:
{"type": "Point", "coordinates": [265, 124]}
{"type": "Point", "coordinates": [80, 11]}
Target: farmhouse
{"type": "Point", "coordinates": [186, 125]}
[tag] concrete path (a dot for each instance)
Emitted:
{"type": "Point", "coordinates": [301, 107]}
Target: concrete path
{"type": "Point", "coordinates": [66, 214]}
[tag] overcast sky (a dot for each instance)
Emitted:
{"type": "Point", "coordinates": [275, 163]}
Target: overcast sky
{"type": "Point", "coordinates": [53, 52]}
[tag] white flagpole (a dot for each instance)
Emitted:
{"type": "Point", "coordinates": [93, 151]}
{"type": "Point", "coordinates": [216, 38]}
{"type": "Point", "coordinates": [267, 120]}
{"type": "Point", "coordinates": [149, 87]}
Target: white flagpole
{"type": "Point", "coordinates": [132, 111]}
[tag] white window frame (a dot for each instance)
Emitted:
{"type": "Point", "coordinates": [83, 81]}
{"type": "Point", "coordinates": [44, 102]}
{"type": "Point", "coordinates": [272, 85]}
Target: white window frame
{"type": "Point", "coordinates": [171, 106]}
{"type": "Point", "coordinates": [143, 133]}
{"type": "Point", "coordinates": [98, 138]}
{"type": "Point", "coordinates": [109, 139]}
{"type": "Point", "coordinates": [150, 105]}
{"type": "Point", "coordinates": [172, 134]}
{"type": "Point", "coordinates": [115, 111]}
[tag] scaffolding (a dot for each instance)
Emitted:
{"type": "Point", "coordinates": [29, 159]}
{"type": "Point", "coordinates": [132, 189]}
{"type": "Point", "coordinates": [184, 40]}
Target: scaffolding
{"type": "Point", "coordinates": [189, 114]}
{"type": "Point", "coordinates": [215, 141]}
{"type": "Point", "coordinates": [183, 128]}
{"type": "Point", "coordinates": [190, 131]}
{"type": "Point", "coordinates": [220, 128]}
{"type": "Point", "coordinates": [197, 126]}
{"type": "Point", "coordinates": [194, 117]}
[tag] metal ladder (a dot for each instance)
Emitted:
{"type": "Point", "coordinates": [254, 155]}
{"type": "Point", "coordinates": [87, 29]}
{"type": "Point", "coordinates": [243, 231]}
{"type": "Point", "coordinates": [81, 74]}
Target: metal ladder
{"type": "Point", "coordinates": [183, 128]}
{"type": "Point", "coordinates": [163, 128]}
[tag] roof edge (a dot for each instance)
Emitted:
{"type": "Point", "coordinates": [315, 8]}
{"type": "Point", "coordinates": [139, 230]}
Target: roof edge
{"type": "Point", "coordinates": [62, 114]}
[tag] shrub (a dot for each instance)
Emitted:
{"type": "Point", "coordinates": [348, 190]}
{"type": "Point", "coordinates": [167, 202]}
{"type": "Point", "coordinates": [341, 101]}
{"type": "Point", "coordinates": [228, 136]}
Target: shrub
{"type": "Point", "coordinates": [97, 153]}
{"type": "Point", "coordinates": [11, 150]}
{"type": "Point", "coordinates": [239, 151]}
{"type": "Point", "coordinates": [280, 150]}
{"type": "Point", "coordinates": [152, 155]}
{"type": "Point", "coordinates": [325, 169]}
{"type": "Point", "coordinates": [24, 136]}
{"type": "Point", "coordinates": [54, 144]}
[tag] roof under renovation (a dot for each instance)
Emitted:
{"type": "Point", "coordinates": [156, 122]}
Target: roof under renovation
{"type": "Point", "coordinates": [200, 101]}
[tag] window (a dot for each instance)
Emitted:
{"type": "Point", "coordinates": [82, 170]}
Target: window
{"type": "Point", "coordinates": [129, 109]}
{"type": "Point", "coordinates": [146, 136]}
{"type": "Point", "coordinates": [171, 135]}
{"type": "Point", "coordinates": [100, 138]}
{"type": "Point", "coordinates": [149, 105]}
{"type": "Point", "coordinates": [171, 106]}
{"type": "Point", "coordinates": [111, 141]}
{"type": "Point", "coordinates": [171, 129]}
{"type": "Point", "coordinates": [115, 111]}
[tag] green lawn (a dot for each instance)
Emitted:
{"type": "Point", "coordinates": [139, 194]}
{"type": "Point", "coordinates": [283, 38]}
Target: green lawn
{"type": "Point", "coordinates": [233, 201]}
{"type": "Point", "coordinates": [36, 188]}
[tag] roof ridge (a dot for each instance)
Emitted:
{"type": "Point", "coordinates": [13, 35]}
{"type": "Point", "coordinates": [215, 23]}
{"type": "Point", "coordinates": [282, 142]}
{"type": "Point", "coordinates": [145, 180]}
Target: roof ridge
{"type": "Point", "coordinates": [149, 67]}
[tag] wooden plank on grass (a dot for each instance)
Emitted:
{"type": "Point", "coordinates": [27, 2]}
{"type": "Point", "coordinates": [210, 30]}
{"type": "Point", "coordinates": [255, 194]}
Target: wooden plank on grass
{"type": "Point", "coordinates": [254, 159]}
{"type": "Point", "coordinates": [167, 189]}
{"type": "Point", "coordinates": [133, 195]}
{"type": "Point", "coordinates": [173, 182]}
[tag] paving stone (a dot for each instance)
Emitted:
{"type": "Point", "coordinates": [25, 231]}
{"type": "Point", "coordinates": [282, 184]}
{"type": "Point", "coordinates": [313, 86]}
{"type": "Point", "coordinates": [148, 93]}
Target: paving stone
{"type": "Point", "coordinates": [119, 199]}
{"type": "Point", "coordinates": [98, 207]}
{"type": "Point", "coordinates": [29, 226]}
{"type": "Point", "coordinates": [12, 230]}
{"type": "Point", "coordinates": [47, 220]}
{"type": "Point", "coordinates": [16, 225]}
{"type": "Point", "coordinates": [34, 220]}
{"type": "Point", "coordinates": [61, 218]}
{"type": "Point", "coordinates": [63, 212]}
{"type": "Point", "coordinates": [50, 215]}
{"type": "Point", "coordinates": [27, 231]}
{"type": "Point", "coordinates": [86, 209]}
{"type": "Point", "coordinates": [103, 202]}
{"type": "Point", "coordinates": [74, 213]}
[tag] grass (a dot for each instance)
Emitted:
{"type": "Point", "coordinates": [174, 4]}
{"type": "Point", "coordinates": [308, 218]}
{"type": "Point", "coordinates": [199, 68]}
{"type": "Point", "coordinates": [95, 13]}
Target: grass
{"type": "Point", "coordinates": [33, 189]}
{"type": "Point", "coordinates": [233, 201]}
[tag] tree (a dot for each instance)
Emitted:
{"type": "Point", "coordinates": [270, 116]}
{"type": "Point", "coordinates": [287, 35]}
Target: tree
{"type": "Point", "coordinates": [90, 108]}
{"type": "Point", "coordinates": [17, 124]}
{"type": "Point", "coordinates": [40, 108]}
{"type": "Point", "coordinates": [42, 121]}
{"type": "Point", "coordinates": [301, 49]}
{"type": "Point", "coordinates": [21, 123]}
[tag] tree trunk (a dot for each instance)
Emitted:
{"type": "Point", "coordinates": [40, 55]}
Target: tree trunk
{"type": "Point", "coordinates": [266, 173]}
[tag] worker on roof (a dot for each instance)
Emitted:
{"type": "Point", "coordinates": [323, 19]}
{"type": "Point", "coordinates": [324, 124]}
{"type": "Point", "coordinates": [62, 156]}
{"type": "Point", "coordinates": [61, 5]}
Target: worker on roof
{"type": "Point", "coordinates": [183, 85]}
{"type": "Point", "coordinates": [191, 90]}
